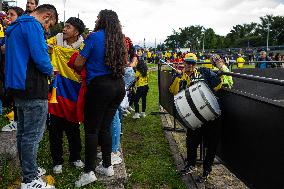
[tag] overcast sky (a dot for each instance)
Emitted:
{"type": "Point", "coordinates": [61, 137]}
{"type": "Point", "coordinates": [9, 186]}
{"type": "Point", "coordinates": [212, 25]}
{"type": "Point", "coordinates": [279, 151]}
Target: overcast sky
{"type": "Point", "coordinates": [152, 19]}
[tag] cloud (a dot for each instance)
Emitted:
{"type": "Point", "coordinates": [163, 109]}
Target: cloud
{"type": "Point", "coordinates": [155, 19]}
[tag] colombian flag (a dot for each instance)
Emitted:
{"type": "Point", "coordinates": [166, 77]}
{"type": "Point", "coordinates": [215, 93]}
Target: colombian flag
{"type": "Point", "coordinates": [68, 86]}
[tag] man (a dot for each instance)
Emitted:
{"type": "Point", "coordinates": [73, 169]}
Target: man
{"type": "Point", "coordinates": [31, 6]}
{"type": "Point", "coordinates": [63, 114]}
{"type": "Point", "coordinates": [27, 67]}
{"type": "Point", "coordinates": [210, 130]}
{"type": "Point", "coordinates": [263, 60]}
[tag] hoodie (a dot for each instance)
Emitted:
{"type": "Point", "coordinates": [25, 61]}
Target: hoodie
{"type": "Point", "coordinates": [27, 61]}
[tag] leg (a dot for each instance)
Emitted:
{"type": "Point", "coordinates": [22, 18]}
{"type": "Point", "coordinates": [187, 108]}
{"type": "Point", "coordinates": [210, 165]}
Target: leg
{"type": "Point", "coordinates": [74, 140]}
{"type": "Point", "coordinates": [33, 117]}
{"type": "Point", "coordinates": [193, 139]}
{"type": "Point", "coordinates": [56, 139]}
{"type": "Point", "coordinates": [137, 97]}
{"type": "Point", "coordinates": [211, 137]}
{"type": "Point", "coordinates": [144, 97]}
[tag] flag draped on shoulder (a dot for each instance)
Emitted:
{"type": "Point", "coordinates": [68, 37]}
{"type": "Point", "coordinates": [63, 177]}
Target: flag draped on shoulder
{"type": "Point", "coordinates": [68, 86]}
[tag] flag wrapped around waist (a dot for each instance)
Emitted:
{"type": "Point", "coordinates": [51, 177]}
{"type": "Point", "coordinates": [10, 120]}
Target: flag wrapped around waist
{"type": "Point", "coordinates": [68, 86]}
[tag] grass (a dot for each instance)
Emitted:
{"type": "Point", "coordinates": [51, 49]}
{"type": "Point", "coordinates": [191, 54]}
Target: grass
{"type": "Point", "coordinates": [148, 158]}
{"type": "Point", "coordinates": [147, 154]}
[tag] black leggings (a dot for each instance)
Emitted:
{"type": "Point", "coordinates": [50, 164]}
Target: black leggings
{"type": "Point", "coordinates": [141, 92]}
{"type": "Point", "coordinates": [104, 95]}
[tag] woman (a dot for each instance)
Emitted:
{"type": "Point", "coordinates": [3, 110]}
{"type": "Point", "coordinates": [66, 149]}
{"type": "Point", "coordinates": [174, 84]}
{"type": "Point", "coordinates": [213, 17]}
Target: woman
{"type": "Point", "coordinates": [103, 55]}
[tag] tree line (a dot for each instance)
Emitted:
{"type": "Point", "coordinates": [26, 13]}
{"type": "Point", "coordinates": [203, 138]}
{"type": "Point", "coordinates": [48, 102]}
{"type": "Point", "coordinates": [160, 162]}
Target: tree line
{"type": "Point", "coordinates": [246, 35]}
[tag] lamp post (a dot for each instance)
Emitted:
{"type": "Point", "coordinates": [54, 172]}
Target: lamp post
{"type": "Point", "coordinates": [267, 38]}
{"type": "Point", "coordinates": [203, 31]}
{"type": "Point", "coordinates": [64, 3]}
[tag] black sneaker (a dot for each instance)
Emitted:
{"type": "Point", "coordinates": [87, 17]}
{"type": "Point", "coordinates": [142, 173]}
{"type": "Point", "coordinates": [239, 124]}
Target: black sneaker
{"type": "Point", "coordinates": [188, 169]}
{"type": "Point", "coordinates": [204, 177]}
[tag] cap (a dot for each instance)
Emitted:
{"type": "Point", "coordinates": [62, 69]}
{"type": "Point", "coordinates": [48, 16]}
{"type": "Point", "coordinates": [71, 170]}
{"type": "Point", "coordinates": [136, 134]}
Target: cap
{"type": "Point", "coordinates": [190, 58]}
{"type": "Point", "coordinates": [215, 58]}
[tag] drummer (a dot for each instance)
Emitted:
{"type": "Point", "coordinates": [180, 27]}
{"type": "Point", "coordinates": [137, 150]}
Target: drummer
{"type": "Point", "coordinates": [209, 131]}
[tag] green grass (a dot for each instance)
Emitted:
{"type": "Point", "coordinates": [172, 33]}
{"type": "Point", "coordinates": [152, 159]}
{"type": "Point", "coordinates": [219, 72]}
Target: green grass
{"type": "Point", "coordinates": [147, 154]}
{"type": "Point", "coordinates": [148, 158]}
{"type": "Point", "coordinates": [151, 65]}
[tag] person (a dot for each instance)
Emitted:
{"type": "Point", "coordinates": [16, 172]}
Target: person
{"type": "Point", "coordinates": [210, 131]}
{"type": "Point", "coordinates": [31, 6]}
{"type": "Point", "coordinates": [65, 120]}
{"type": "Point", "coordinates": [103, 55]}
{"type": "Point", "coordinates": [240, 61]}
{"type": "Point", "coordinates": [142, 88]}
{"type": "Point", "coordinates": [263, 60]}
{"type": "Point", "coordinates": [12, 14]}
{"type": "Point", "coordinates": [26, 50]}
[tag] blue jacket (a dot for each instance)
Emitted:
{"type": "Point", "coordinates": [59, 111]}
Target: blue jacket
{"type": "Point", "coordinates": [25, 41]}
{"type": "Point", "coordinates": [27, 60]}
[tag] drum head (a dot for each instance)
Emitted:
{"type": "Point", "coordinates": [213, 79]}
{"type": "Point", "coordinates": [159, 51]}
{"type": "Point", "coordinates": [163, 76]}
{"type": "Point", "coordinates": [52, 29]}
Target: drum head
{"type": "Point", "coordinates": [209, 96]}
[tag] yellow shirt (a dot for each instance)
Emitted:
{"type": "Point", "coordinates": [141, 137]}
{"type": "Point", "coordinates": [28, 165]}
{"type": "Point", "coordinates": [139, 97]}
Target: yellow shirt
{"type": "Point", "coordinates": [207, 65]}
{"type": "Point", "coordinates": [240, 61]}
{"type": "Point", "coordinates": [2, 34]}
{"type": "Point", "coordinates": [140, 80]}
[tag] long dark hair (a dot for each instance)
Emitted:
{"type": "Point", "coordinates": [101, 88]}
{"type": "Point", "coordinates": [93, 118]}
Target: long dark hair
{"type": "Point", "coordinates": [142, 67]}
{"type": "Point", "coordinates": [115, 55]}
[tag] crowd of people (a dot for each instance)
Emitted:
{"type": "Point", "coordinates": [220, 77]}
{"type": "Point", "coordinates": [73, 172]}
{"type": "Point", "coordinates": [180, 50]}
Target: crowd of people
{"type": "Point", "coordinates": [66, 80]}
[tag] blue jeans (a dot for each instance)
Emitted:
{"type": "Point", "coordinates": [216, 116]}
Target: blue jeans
{"type": "Point", "coordinates": [32, 116]}
{"type": "Point", "coordinates": [115, 132]}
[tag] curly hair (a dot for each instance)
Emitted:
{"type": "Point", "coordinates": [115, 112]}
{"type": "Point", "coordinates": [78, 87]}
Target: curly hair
{"type": "Point", "coordinates": [114, 41]}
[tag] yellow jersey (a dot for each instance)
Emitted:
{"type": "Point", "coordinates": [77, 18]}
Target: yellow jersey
{"type": "Point", "coordinates": [240, 61]}
{"type": "Point", "coordinates": [140, 80]}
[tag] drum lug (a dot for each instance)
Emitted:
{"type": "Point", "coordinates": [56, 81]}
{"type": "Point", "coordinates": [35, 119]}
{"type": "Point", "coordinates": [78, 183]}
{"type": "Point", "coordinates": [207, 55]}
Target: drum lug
{"type": "Point", "coordinates": [194, 89]}
{"type": "Point", "coordinates": [180, 97]}
{"type": "Point", "coordinates": [202, 107]}
{"type": "Point", "coordinates": [187, 115]}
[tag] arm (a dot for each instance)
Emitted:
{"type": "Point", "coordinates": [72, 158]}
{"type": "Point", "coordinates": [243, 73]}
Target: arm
{"type": "Point", "coordinates": [38, 48]}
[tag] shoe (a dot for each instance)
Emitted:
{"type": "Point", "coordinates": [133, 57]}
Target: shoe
{"type": "Point", "coordinates": [57, 169]}
{"type": "Point", "coordinates": [125, 115]}
{"type": "Point", "coordinates": [127, 112]}
{"type": "Point", "coordinates": [130, 109]}
{"type": "Point", "coordinates": [100, 155]}
{"type": "Point", "coordinates": [142, 114]}
{"type": "Point", "coordinates": [105, 171]}
{"type": "Point", "coordinates": [115, 159]}
{"type": "Point", "coordinates": [35, 184]}
{"type": "Point", "coordinates": [78, 164]}
{"type": "Point", "coordinates": [40, 171]}
{"type": "Point", "coordinates": [188, 169]}
{"type": "Point", "coordinates": [12, 126]}
{"type": "Point", "coordinates": [204, 177]}
{"type": "Point", "coordinates": [86, 178]}
{"type": "Point", "coordinates": [136, 116]}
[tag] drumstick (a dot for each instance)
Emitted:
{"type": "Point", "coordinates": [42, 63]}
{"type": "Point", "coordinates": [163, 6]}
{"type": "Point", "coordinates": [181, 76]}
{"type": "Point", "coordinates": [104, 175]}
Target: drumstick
{"type": "Point", "coordinates": [169, 65]}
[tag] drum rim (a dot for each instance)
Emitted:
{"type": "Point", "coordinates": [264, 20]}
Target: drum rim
{"type": "Point", "coordinates": [207, 102]}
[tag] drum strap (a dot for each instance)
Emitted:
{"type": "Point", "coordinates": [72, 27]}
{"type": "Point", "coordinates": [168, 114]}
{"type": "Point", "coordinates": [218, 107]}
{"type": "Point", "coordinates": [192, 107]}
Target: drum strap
{"type": "Point", "coordinates": [193, 107]}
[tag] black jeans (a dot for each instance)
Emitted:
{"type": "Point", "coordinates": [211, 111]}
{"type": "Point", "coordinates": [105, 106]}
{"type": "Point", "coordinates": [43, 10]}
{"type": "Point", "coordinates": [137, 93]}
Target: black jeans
{"type": "Point", "coordinates": [210, 132]}
{"type": "Point", "coordinates": [56, 128]}
{"type": "Point", "coordinates": [104, 95]}
{"type": "Point", "coordinates": [141, 92]}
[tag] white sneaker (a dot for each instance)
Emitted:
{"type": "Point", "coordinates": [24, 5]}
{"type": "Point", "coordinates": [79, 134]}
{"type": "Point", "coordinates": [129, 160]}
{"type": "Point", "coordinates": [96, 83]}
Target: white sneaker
{"type": "Point", "coordinates": [105, 171]}
{"type": "Point", "coordinates": [35, 184]}
{"type": "Point", "coordinates": [100, 155]}
{"type": "Point", "coordinates": [127, 112]}
{"type": "Point", "coordinates": [12, 126]}
{"type": "Point", "coordinates": [57, 169]}
{"type": "Point", "coordinates": [40, 171]}
{"type": "Point", "coordinates": [131, 109]}
{"type": "Point", "coordinates": [143, 114]}
{"type": "Point", "coordinates": [86, 178]}
{"type": "Point", "coordinates": [136, 116]}
{"type": "Point", "coordinates": [78, 164]}
{"type": "Point", "coordinates": [115, 159]}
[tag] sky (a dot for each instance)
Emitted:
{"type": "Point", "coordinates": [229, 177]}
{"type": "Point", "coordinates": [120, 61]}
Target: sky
{"type": "Point", "coordinates": [154, 20]}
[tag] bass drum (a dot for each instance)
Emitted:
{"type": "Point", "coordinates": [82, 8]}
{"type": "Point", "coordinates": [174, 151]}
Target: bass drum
{"type": "Point", "coordinates": [196, 105]}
